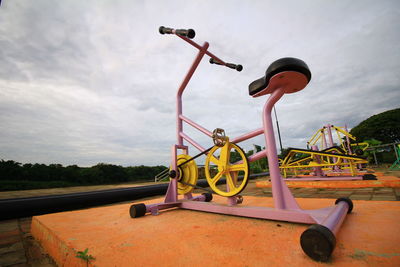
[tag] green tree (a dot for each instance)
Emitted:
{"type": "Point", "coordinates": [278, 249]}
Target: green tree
{"type": "Point", "coordinates": [284, 153]}
{"type": "Point", "coordinates": [260, 165]}
{"type": "Point", "coordinates": [384, 126]}
{"type": "Point", "coordinates": [10, 170]}
{"type": "Point", "coordinates": [14, 175]}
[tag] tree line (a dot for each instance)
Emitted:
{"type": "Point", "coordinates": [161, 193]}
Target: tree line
{"type": "Point", "coordinates": [384, 127]}
{"type": "Point", "coordinates": [16, 176]}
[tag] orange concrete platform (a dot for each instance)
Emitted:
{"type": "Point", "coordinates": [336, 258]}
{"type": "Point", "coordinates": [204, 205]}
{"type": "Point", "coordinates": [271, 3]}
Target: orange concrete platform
{"type": "Point", "coordinates": [369, 236]}
{"type": "Point", "coordinates": [335, 174]}
{"type": "Point", "coordinates": [383, 181]}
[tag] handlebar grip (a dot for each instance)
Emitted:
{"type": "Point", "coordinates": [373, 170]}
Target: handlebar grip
{"type": "Point", "coordinates": [190, 33]}
{"type": "Point", "coordinates": [213, 61]}
{"type": "Point", "coordinates": [237, 67]}
{"type": "Point", "coordinates": [164, 30]}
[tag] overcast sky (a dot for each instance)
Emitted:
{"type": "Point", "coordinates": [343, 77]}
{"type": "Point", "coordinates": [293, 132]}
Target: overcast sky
{"type": "Point", "coordinates": [83, 82]}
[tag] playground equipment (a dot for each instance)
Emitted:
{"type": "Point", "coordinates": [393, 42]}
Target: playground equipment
{"type": "Point", "coordinates": [332, 159]}
{"type": "Point", "coordinates": [319, 163]}
{"type": "Point", "coordinates": [284, 76]}
{"type": "Point", "coordinates": [325, 136]}
{"type": "Point", "coordinates": [396, 164]}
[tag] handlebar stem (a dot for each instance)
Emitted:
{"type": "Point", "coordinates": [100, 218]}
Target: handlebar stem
{"type": "Point", "coordinates": [203, 50]}
{"type": "Point", "coordinates": [196, 45]}
{"type": "Point", "coordinates": [195, 64]}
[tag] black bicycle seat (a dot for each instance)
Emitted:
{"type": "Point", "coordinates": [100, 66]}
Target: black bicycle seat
{"type": "Point", "coordinates": [280, 65]}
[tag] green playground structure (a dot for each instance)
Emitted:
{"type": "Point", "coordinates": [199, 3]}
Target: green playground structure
{"type": "Point", "coordinates": [396, 164]}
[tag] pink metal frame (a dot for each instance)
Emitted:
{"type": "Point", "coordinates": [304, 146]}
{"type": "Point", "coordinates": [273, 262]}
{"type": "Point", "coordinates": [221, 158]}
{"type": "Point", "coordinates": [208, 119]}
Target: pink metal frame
{"type": "Point", "coordinates": [286, 208]}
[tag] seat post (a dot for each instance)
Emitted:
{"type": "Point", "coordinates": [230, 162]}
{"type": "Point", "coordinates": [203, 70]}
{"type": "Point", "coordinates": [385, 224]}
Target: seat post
{"type": "Point", "coordinates": [283, 199]}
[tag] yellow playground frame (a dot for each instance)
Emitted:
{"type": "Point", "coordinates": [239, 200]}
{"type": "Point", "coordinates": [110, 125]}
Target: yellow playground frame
{"type": "Point", "coordinates": [341, 132]}
{"type": "Point", "coordinates": [332, 158]}
{"type": "Point", "coordinates": [299, 161]}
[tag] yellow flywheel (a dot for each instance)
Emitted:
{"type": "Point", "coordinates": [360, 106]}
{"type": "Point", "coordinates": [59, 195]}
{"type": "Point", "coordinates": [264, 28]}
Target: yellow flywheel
{"type": "Point", "coordinates": [187, 173]}
{"type": "Point", "coordinates": [229, 162]}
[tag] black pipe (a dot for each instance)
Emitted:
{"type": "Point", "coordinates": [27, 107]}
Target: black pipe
{"type": "Point", "coordinates": [25, 207]}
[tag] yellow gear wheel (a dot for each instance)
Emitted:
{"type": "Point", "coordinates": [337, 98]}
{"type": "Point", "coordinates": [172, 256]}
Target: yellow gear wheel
{"type": "Point", "coordinates": [187, 173]}
{"type": "Point", "coordinates": [227, 162]}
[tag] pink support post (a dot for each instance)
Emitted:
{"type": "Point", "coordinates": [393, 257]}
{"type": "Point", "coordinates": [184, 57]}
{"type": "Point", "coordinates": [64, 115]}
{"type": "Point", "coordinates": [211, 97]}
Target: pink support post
{"type": "Point", "coordinates": [259, 155]}
{"type": "Point", "coordinates": [195, 125]}
{"type": "Point", "coordinates": [172, 195]}
{"type": "Point", "coordinates": [324, 142]}
{"type": "Point", "coordinates": [348, 140]}
{"type": "Point", "coordinates": [282, 196]}
{"type": "Point", "coordinates": [248, 135]}
{"type": "Point", "coordinates": [191, 141]}
{"type": "Point", "coordinates": [317, 170]}
{"type": "Point", "coordinates": [331, 144]}
{"type": "Point", "coordinates": [336, 217]}
{"type": "Point", "coordinates": [328, 127]}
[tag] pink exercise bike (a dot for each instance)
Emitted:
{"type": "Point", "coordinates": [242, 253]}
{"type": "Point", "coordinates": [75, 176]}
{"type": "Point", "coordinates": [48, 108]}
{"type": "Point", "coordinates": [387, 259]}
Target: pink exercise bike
{"type": "Point", "coordinates": [227, 167]}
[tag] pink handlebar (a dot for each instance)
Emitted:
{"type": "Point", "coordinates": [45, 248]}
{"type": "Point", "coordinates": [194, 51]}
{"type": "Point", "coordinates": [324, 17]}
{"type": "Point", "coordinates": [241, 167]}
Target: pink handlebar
{"type": "Point", "coordinates": [237, 67]}
{"type": "Point", "coordinates": [188, 34]}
